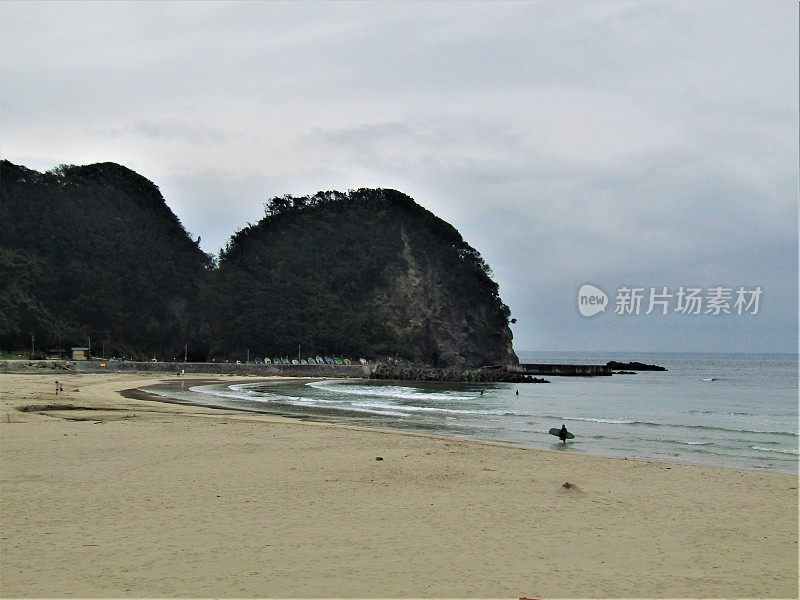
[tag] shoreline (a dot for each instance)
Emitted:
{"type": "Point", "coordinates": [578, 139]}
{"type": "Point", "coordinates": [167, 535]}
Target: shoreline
{"type": "Point", "coordinates": [129, 497]}
{"type": "Point", "coordinates": [341, 417]}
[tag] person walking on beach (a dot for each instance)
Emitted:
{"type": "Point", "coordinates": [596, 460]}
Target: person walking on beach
{"type": "Point", "coordinates": [562, 435]}
{"type": "Point", "coordinates": [61, 388]}
{"type": "Point", "coordinates": [57, 387]}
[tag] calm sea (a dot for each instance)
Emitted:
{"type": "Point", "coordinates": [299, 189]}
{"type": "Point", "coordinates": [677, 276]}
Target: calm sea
{"type": "Point", "coordinates": [735, 410]}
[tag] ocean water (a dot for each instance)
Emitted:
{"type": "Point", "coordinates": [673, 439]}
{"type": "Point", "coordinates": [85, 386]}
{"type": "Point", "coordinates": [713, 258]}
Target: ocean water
{"type": "Point", "coordinates": [730, 410]}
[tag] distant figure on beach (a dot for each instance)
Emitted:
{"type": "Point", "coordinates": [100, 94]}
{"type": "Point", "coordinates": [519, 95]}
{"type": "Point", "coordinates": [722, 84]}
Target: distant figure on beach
{"type": "Point", "coordinates": [61, 388]}
{"type": "Point", "coordinates": [562, 435]}
{"type": "Point", "coordinates": [517, 392]}
{"type": "Point", "coordinates": [57, 387]}
{"type": "Point", "coordinates": [481, 392]}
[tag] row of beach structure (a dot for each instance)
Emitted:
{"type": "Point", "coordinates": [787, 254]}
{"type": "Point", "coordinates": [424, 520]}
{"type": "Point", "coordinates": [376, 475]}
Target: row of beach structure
{"type": "Point", "coordinates": [311, 360]}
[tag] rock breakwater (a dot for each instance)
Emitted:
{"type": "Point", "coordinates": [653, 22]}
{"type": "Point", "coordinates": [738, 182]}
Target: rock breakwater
{"type": "Point", "coordinates": [482, 375]}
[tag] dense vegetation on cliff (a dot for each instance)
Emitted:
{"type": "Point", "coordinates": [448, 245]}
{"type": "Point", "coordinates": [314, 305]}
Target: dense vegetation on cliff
{"type": "Point", "coordinates": [368, 273]}
{"type": "Point", "coordinates": [94, 251]}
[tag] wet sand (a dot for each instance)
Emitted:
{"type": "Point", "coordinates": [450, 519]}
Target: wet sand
{"type": "Point", "coordinates": [104, 495]}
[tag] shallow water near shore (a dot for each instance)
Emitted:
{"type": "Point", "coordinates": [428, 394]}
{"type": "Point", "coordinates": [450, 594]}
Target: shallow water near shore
{"type": "Point", "coordinates": [730, 410]}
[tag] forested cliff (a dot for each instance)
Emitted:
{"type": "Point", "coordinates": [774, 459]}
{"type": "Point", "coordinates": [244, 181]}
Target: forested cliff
{"type": "Point", "coordinates": [95, 251]}
{"type": "Point", "coordinates": [367, 273]}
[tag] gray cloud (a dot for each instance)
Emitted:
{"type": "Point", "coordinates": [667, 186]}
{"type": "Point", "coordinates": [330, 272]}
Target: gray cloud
{"type": "Point", "coordinates": [620, 143]}
{"type": "Point", "coordinates": [171, 129]}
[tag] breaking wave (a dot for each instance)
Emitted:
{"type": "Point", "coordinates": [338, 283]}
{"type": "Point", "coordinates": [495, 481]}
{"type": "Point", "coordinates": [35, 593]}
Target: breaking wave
{"type": "Point", "coordinates": [792, 451]}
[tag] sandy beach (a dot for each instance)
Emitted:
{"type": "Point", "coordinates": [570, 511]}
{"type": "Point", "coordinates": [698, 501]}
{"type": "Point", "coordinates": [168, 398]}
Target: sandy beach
{"type": "Point", "coordinates": [122, 497]}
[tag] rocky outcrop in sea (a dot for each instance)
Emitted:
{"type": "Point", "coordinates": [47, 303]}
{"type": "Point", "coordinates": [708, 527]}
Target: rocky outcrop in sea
{"type": "Point", "coordinates": [633, 366]}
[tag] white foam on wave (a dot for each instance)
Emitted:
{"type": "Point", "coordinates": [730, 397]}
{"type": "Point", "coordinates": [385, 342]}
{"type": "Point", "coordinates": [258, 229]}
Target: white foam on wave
{"type": "Point", "coordinates": [431, 409]}
{"type": "Point", "coordinates": [601, 420]}
{"type": "Point", "coordinates": [392, 391]}
{"type": "Point", "coordinates": [724, 413]}
{"type": "Point", "coordinates": [616, 421]}
{"type": "Point", "coordinates": [792, 451]}
{"type": "Point", "coordinates": [685, 442]}
{"type": "Point", "coordinates": [347, 408]}
{"type": "Point", "coordinates": [216, 390]}
{"type": "Point", "coordinates": [229, 392]}
{"type": "Point", "coordinates": [244, 386]}
{"type": "Point", "coordinates": [243, 392]}
{"type": "Point", "coordinates": [240, 392]}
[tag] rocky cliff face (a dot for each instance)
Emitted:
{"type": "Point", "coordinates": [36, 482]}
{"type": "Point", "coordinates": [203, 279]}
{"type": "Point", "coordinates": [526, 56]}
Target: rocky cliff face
{"type": "Point", "coordinates": [420, 308]}
{"type": "Point", "coordinates": [369, 273]}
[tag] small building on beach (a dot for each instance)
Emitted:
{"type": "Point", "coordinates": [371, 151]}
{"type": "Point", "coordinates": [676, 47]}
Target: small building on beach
{"type": "Point", "coordinates": [80, 353]}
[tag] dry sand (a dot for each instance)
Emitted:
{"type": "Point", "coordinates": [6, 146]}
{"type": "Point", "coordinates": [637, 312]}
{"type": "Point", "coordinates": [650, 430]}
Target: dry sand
{"type": "Point", "coordinates": [149, 499]}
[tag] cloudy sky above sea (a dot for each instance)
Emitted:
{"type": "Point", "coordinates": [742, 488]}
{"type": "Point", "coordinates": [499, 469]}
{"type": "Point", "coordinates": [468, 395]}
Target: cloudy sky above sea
{"type": "Point", "coordinates": [622, 144]}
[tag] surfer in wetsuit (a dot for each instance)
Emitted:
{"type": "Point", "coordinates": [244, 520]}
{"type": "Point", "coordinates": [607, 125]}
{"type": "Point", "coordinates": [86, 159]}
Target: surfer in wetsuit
{"type": "Point", "coordinates": [562, 435]}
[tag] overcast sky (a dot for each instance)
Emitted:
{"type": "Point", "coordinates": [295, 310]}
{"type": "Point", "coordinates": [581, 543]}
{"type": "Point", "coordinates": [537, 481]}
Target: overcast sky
{"type": "Point", "coordinates": [620, 144]}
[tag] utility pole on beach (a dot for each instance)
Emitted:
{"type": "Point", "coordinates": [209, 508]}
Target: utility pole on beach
{"type": "Point", "coordinates": [33, 346]}
{"type": "Point", "coordinates": [248, 355]}
{"type": "Point", "coordinates": [298, 352]}
{"type": "Point", "coordinates": [185, 349]}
